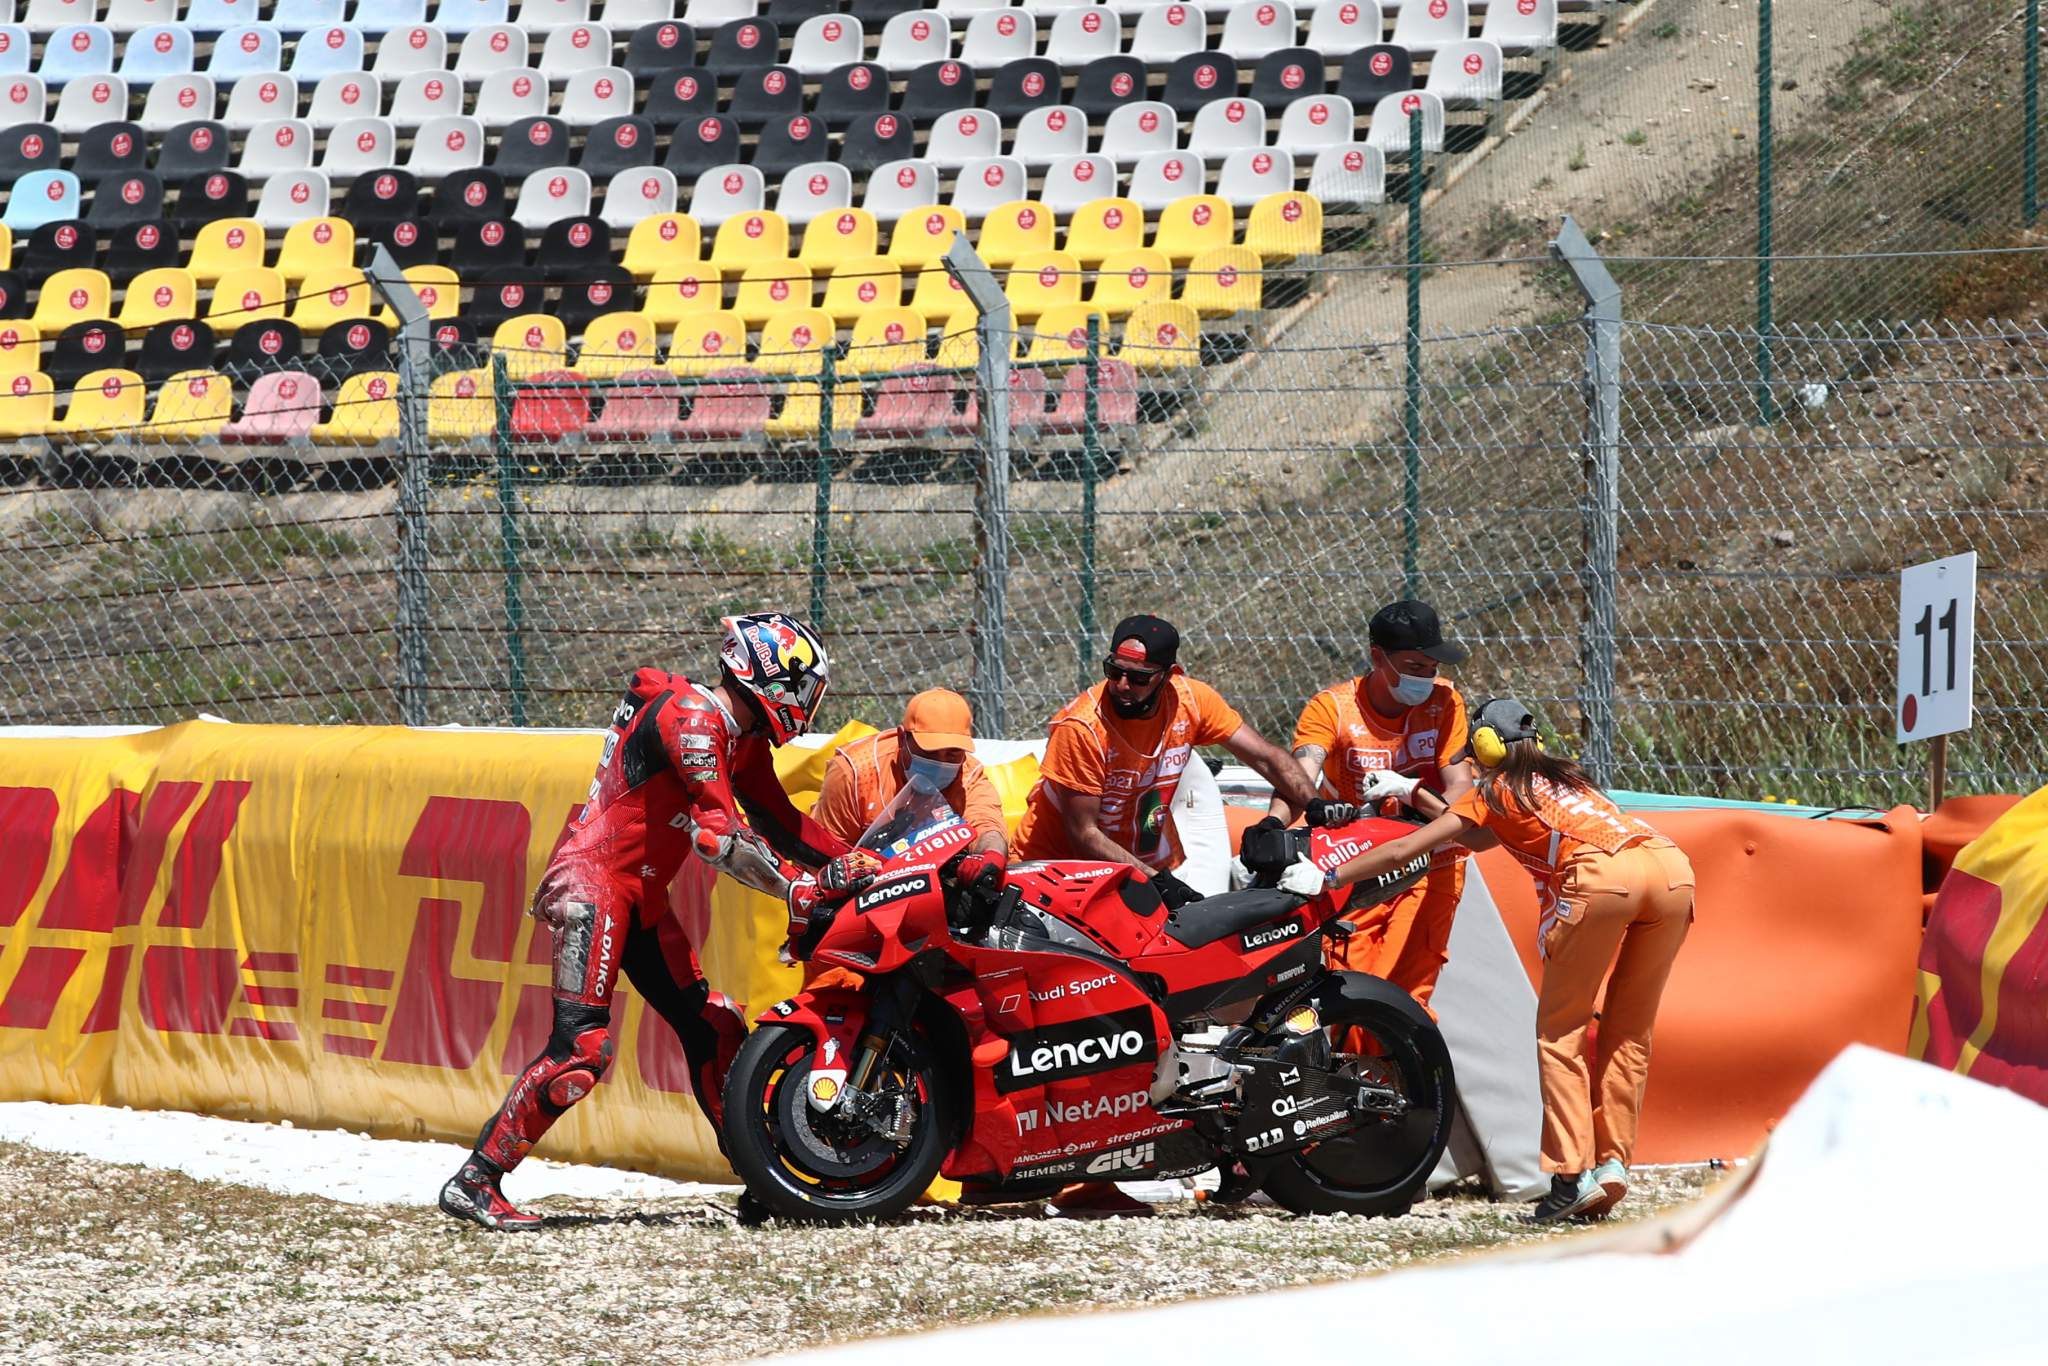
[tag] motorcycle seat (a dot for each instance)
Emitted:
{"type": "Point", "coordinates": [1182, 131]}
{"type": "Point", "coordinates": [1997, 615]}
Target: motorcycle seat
{"type": "Point", "coordinates": [1212, 918]}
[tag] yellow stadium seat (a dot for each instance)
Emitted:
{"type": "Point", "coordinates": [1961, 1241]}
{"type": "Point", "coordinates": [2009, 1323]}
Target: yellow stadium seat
{"type": "Point", "coordinates": [842, 235]}
{"type": "Point", "coordinates": [106, 405]}
{"type": "Point", "coordinates": [861, 284]}
{"type": "Point", "coordinates": [943, 302]}
{"type": "Point", "coordinates": [192, 405]}
{"type": "Point", "coordinates": [683, 288]}
{"type": "Point", "coordinates": [885, 339]}
{"type": "Point", "coordinates": [317, 246]}
{"type": "Point", "coordinates": [770, 287]}
{"type": "Point", "coordinates": [1285, 225]}
{"type": "Point", "coordinates": [1223, 281]}
{"type": "Point", "coordinates": [328, 296]}
{"type": "Point", "coordinates": [224, 245]}
{"type": "Point", "coordinates": [28, 405]}
{"type": "Point", "coordinates": [616, 344]}
{"type": "Point", "coordinates": [1061, 335]}
{"type": "Point", "coordinates": [1013, 229]}
{"type": "Point", "coordinates": [1039, 280]}
{"type": "Point", "coordinates": [157, 296]}
{"type": "Point", "coordinates": [439, 288]}
{"type": "Point", "coordinates": [803, 409]}
{"type": "Point", "coordinates": [21, 347]}
{"type": "Point", "coordinates": [923, 236]}
{"type": "Point", "coordinates": [244, 295]}
{"type": "Point", "coordinates": [73, 296]}
{"type": "Point", "coordinates": [531, 343]}
{"type": "Point", "coordinates": [1190, 226]}
{"type": "Point", "coordinates": [365, 411]}
{"type": "Point", "coordinates": [1162, 337]}
{"type": "Point", "coordinates": [6, 247]}
{"type": "Point", "coordinates": [706, 343]}
{"type": "Point", "coordinates": [1125, 279]}
{"type": "Point", "coordinates": [658, 241]}
{"type": "Point", "coordinates": [958, 346]}
{"type": "Point", "coordinates": [747, 238]}
{"type": "Point", "coordinates": [791, 341]}
{"type": "Point", "coordinates": [1102, 227]}
{"type": "Point", "coordinates": [462, 406]}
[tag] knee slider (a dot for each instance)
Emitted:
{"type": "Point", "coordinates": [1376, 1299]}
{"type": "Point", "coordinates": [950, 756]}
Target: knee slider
{"type": "Point", "coordinates": [590, 1057]}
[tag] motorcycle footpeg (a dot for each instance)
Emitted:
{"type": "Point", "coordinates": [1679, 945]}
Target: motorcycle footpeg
{"type": "Point", "coordinates": [1241, 1179]}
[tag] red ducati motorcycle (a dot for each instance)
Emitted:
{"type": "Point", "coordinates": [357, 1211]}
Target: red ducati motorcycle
{"type": "Point", "coordinates": [1060, 1025]}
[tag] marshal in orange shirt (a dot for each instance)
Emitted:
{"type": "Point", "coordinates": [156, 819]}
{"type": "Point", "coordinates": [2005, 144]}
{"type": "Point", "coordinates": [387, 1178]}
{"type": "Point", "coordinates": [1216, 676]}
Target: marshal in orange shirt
{"type": "Point", "coordinates": [1357, 740]}
{"type": "Point", "coordinates": [864, 774]}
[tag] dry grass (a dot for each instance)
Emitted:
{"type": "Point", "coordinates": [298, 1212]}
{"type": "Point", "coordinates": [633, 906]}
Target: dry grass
{"type": "Point", "coordinates": [119, 1263]}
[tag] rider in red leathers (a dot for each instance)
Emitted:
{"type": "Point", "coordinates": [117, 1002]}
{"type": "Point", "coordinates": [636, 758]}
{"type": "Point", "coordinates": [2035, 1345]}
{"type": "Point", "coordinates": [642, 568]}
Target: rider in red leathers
{"type": "Point", "coordinates": [680, 763]}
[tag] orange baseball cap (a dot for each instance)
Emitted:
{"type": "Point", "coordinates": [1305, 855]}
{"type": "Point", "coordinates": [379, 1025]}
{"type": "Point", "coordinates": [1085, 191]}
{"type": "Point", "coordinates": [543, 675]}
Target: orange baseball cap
{"type": "Point", "coordinates": [940, 718]}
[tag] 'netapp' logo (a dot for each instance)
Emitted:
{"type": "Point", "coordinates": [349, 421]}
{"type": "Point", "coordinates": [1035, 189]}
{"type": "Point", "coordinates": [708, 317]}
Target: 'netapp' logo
{"type": "Point", "coordinates": [1077, 1049]}
{"type": "Point", "coordinates": [1278, 934]}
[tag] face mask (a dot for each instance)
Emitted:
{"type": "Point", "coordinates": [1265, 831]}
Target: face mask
{"type": "Point", "coordinates": [929, 775]}
{"type": "Point", "coordinates": [1411, 691]}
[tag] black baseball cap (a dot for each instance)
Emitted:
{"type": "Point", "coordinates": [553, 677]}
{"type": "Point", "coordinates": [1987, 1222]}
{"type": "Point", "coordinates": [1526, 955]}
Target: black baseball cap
{"type": "Point", "coordinates": [1507, 718]}
{"type": "Point", "coordinates": [1146, 641]}
{"type": "Point", "coordinates": [1410, 625]}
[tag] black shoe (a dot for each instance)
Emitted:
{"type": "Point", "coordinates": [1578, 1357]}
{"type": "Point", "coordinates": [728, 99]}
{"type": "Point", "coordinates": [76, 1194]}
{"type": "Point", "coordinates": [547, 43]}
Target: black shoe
{"type": "Point", "coordinates": [472, 1194]}
{"type": "Point", "coordinates": [1571, 1195]}
{"type": "Point", "coordinates": [752, 1212]}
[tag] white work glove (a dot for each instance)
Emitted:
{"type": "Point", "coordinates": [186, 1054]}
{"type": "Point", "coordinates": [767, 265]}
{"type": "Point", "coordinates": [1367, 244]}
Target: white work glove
{"type": "Point", "coordinates": [1384, 782]}
{"type": "Point", "coordinates": [1302, 878]}
{"type": "Point", "coordinates": [1240, 876]}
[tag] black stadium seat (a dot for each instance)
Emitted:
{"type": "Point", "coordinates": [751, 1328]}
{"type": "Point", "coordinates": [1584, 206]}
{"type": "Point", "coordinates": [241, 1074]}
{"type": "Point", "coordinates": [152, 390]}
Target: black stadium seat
{"type": "Point", "coordinates": [455, 340]}
{"type": "Point", "coordinates": [193, 149]}
{"type": "Point", "coordinates": [1108, 82]}
{"type": "Point", "coordinates": [744, 45]}
{"type": "Point", "coordinates": [759, 97]}
{"type": "Point", "coordinates": [29, 147]}
{"type": "Point", "coordinates": [1285, 76]}
{"type": "Point", "coordinates": [355, 345]}
{"type": "Point", "coordinates": [411, 241]}
{"type": "Point", "coordinates": [936, 88]}
{"type": "Point", "coordinates": [658, 49]}
{"type": "Point", "coordinates": [607, 289]}
{"type": "Point", "coordinates": [1023, 85]}
{"type": "Point", "coordinates": [1192, 81]}
{"type": "Point", "coordinates": [869, 143]}
{"type": "Point", "coordinates": [467, 197]}
{"type": "Point", "coordinates": [617, 144]}
{"type": "Point", "coordinates": [269, 344]}
{"type": "Point", "coordinates": [109, 149]}
{"type": "Point", "coordinates": [852, 92]}
{"type": "Point", "coordinates": [702, 144]}
{"type": "Point", "coordinates": [130, 197]}
{"type": "Point", "coordinates": [505, 292]}
{"type": "Point", "coordinates": [684, 97]}
{"type": "Point", "coordinates": [147, 245]}
{"type": "Point", "coordinates": [83, 348]}
{"type": "Point", "coordinates": [1372, 73]}
{"type": "Point", "coordinates": [535, 144]}
{"type": "Point", "coordinates": [376, 200]}
{"type": "Point", "coordinates": [487, 246]}
{"type": "Point", "coordinates": [169, 347]}
{"type": "Point", "coordinates": [560, 258]}
{"type": "Point", "coordinates": [206, 198]}
{"type": "Point", "coordinates": [61, 245]}
{"type": "Point", "coordinates": [789, 143]}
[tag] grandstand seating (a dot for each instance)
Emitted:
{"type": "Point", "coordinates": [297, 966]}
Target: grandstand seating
{"type": "Point", "coordinates": [691, 197]}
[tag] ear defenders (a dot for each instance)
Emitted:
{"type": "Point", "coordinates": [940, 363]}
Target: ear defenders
{"type": "Point", "coordinates": [1498, 723]}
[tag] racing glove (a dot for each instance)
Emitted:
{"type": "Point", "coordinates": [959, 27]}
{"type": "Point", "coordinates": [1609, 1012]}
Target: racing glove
{"type": "Point", "coordinates": [1173, 891]}
{"type": "Point", "coordinates": [1322, 813]}
{"type": "Point", "coordinates": [975, 867]}
{"type": "Point", "coordinates": [849, 872]}
{"type": "Point", "coordinates": [1302, 878]}
{"type": "Point", "coordinates": [1384, 782]}
{"type": "Point", "coordinates": [801, 901]}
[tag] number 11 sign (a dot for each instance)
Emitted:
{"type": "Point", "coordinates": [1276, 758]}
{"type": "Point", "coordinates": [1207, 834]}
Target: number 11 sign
{"type": "Point", "coordinates": [1937, 636]}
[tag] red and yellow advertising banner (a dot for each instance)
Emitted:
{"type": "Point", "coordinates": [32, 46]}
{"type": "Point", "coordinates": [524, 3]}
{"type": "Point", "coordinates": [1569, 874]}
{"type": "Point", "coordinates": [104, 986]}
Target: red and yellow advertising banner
{"type": "Point", "coordinates": [1983, 999]}
{"type": "Point", "coordinates": [328, 925]}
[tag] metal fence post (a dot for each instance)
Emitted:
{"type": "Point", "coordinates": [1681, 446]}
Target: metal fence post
{"type": "Point", "coordinates": [821, 512]}
{"type": "Point", "coordinates": [992, 492]}
{"type": "Point", "coordinates": [1602, 502]}
{"type": "Point", "coordinates": [1411, 403]}
{"type": "Point", "coordinates": [2030, 107]}
{"type": "Point", "coordinates": [415, 376]}
{"type": "Point", "coordinates": [1766, 410]}
{"type": "Point", "coordinates": [508, 541]}
{"type": "Point", "coordinates": [1091, 459]}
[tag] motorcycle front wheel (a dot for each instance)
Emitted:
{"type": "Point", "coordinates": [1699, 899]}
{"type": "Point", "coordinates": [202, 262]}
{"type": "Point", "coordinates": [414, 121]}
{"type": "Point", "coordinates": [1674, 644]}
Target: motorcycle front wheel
{"type": "Point", "coordinates": [1380, 1167]}
{"type": "Point", "coordinates": [831, 1168]}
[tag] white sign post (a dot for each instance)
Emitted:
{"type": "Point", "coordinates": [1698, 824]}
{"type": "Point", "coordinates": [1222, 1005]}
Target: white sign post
{"type": "Point", "coordinates": [1937, 643]}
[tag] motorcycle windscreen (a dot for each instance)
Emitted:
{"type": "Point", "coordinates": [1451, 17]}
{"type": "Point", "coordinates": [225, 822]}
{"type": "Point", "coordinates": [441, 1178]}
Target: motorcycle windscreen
{"type": "Point", "coordinates": [916, 816]}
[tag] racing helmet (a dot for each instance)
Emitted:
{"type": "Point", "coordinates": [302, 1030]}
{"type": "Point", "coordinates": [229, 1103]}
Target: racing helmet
{"type": "Point", "coordinates": [780, 663]}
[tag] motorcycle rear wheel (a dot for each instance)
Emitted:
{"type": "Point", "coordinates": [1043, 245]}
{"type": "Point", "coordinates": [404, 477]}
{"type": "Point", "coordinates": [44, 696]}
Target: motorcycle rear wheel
{"type": "Point", "coordinates": [1380, 1167]}
{"type": "Point", "coordinates": [805, 1166]}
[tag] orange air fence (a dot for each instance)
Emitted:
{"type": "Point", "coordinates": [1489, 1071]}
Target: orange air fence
{"type": "Point", "coordinates": [328, 925]}
{"type": "Point", "coordinates": [1804, 942]}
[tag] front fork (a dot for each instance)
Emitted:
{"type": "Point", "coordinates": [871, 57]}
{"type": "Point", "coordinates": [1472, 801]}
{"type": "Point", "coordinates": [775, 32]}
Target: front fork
{"type": "Point", "coordinates": [849, 1087]}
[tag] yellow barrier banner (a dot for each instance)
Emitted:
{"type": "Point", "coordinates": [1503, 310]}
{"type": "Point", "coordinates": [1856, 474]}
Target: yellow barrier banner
{"type": "Point", "coordinates": [328, 925]}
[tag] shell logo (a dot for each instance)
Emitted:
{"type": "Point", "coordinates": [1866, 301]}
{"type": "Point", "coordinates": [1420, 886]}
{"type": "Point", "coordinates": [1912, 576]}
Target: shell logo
{"type": "Point", "coordinates": [749, 36]}
{"type": "Point", "coordinates": [162, 296]}
{"type": "Point", "coordinates": [1227, 277]}
{"type": "Point", "coordinates": [1148, 122]}
{"type": "Point", "coordinates": [1174, 169]}
{"type": "Point", "coordinates": [733, 183]}
{"type": "Point", "coordinates": [336, 37]}
{"type": "Point", "coordinates": [407, 233]}
{"type": "Point", "coordinates": [270, 343]}
{"type": "Point", "coordinates": [493, 234]}
{"type": "Point", "coordinates": [1474, 64]}
{"type": "Point", "coordinates": [1439, 8]}
{"type": "Point", "coordinates": [1205, 77]}
{"type": "Point", "coordinates": [359, 337]}
{"type": "Point", "coordinates": [522, 87]}
{"type": "Point", "coordinates": [934, 224]}
{"type": "Point", "coordinates": [323, 233]}
{"type": "Point", "coordinates": [535, 339]}
{"type": "Point", "coordinates": [22, 385]}
{"type": "Point", "coordinates": [1202, 214]}
{"type": "Point", "coordinates": [1007, 25]}
{"type": "Point", "coordinates": [600, 292]}
{"type": "Point", "coordinates": [893, 334]}
{"type": "Point", "coordinates": [712, 344]}
{"type": "Point", "coordinates": [861, 77]}
{"type": "Point", "coordinates": [1091, 21]}
{"type": "Point", "coordinates": [287, 389]}
{"type": "Point", "coordinates": [992, 177]}
{"type": "Point", "coordinates": [182, 337]}
{"type": "Point", "coordinates": [1084, 171]}
{"type": "Point", "coordinates": [1049, 277]}
{"type": "Point", "coordinates": [626, 135]}
{"type": "Point", "coordinates": [31, 147]}
{"type": "Point", "coordinates": [501, 41]}
{"type": "Point", "coordinates": [1176, 15]}
{"type": "Point", "coordinates": [579, 234]}
{"type": "Point", "coordinates": [79, 299]}
{"type": "Point", "coordinates": [1167, 334]}
{"type": "Point", "coordinates": [669, 229]}
{"type": "Point", "coordinates": [1034, 83]}
{"type": "Point", "coordinates": [628, 339]}
{"type": "Point", "coordinates": [1112, 218]}
{"type": "Point", "coordinates": [164, 41]}
{"type": "Point", "coordinates": [1319, 113]}
{"type": "Point", "coordinates": [921, 31]}
{"type": "Point", "coordinates": [80, 41]}
{"type": "Point", "coordinates": [429, 295]}
{"type": "Point", "coordinates": [558, 186]}
{"type": "Point", "coordinates": [867, 292]}
{"type": "Point", "coordinates": [1292, 76]}
{"type": "Point", "coordinates": [604, 88]}
{"type": "Point", "coordinates": [436, 90]}
{"type": "Point", "coordinates": [778, 290]}
{"type": "Point", "coordinates": [1382, 63]}
{"type": "Point", "coordinates": [1411, 104]}
{"type": "Point", "coordinates": [366, 142]}
{"type": "Point", "coordinates": [710, 130]}
{"type": "Point", "coordinates": [799, 128]}
{"type": "Point", "coordinates": [417, 37]}
{"type": "Point", "coordinates": [474, 193]}
{"type": "Point", "coordinates": [338, 297]}
{"type": "Point", "coordinates": [1291, 211]}
{"type": "Point", "coordinates": [95, 341]}
{"type": "Point", "coordinates": [817, 185]}
{"type": "Point", "coordinates": [187, 96]}
{"type": "Point", "coordinates": [1354, 160]}
{"type": "Point", "coordinates": [754, 226]}
{"type": "Point", "coordinates": [378, 387]}
{"type": "Point", "coordinates": [1027, 219]}
{"type": "Point", "coordinates": [465, 387]}
{"type": "Point", "coordinates": [267, 93]}
{"type": "Point", "coordinates": [287, 135]}
{"type": "Point", "coordinates": [1268, 16]}
{"type": "Point", "coordinates": [832, 31]}
{"type": "Point", "coordinates": [111, 386]}
{"type": "Point", "coordinates": [686, 88]}
{"type": "Point", "coordinates": [949, 74]}
{"type": "Point", "coordinates": [668, 35]}
{"type": "Point", "coordinates": [251, 300]}
{"type": "Point", "coordinates": [147, 236]}
{"type": "Point", "coordinates": [800, 334]}
{"type": "Point", "coordinates": [579, 38]}
{"type": "Point", "coordinates": [968, 125]}
{"type": "Point", "coordinates": [846, 225]}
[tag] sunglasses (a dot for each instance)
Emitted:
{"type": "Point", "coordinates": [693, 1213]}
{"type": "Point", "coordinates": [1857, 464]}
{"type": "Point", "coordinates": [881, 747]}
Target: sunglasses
{"type": "Point", "coordinates": [1136, 677]}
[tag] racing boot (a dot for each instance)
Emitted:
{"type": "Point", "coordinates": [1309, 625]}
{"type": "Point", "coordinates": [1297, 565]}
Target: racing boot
{"type": "Point", "coordinates": [473, 1194]}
